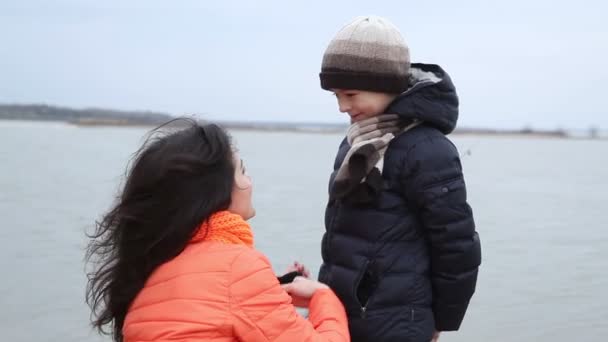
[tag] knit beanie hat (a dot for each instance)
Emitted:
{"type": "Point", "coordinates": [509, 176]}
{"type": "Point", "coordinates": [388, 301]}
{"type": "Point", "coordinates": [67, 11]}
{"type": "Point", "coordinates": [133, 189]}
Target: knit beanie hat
{"type": "Point", "coordinates": [370, 54]}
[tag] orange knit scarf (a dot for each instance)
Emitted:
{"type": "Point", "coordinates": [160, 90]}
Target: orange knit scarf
{"type": "Point", "coordinates": [226, 227]}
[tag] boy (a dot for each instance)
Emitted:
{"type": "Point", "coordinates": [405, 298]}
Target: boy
{"type": "Point", "coordinates": [400, 247]}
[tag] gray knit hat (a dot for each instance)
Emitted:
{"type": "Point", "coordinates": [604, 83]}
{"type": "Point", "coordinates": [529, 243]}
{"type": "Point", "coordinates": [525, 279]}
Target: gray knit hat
{"type": "Point", "coordinates": [370, 54]}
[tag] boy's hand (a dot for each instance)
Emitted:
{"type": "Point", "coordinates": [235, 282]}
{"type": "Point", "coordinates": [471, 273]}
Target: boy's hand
{"type": "Point", "coordinates": [435, 337]}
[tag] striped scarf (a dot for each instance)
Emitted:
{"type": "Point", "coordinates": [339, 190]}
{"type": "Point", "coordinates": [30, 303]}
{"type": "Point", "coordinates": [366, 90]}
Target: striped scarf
{"type": "Point", "coordinates": [359, 178]}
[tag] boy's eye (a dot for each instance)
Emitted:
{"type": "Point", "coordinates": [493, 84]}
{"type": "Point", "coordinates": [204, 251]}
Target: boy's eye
{"type": "Point", "coordinates": [349, 95]}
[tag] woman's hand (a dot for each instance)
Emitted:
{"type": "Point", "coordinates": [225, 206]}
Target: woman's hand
{"type": "Point", "coordinates": [296, 266]}
{"type": "Point", "coordinates": [302, 289]}
{"type": "Point", "coordinates": [435, 336]}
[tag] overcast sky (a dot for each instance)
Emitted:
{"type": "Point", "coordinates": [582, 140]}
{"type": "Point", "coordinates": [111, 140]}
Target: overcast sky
{"type": "Point", "coordinates": [515, 63]}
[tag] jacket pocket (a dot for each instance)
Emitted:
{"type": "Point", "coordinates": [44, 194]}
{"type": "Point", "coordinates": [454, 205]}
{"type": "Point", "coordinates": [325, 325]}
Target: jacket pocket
{"type": "Point", "coordinates": [445, 188]}
{"type": "Point", "coordinates": [442, 183]}
{"type": "Point", "coordinates": [365, 285]}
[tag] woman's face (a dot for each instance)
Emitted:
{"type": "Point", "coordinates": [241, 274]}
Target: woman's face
{"type": "Point", "coordinates": [241, 203]}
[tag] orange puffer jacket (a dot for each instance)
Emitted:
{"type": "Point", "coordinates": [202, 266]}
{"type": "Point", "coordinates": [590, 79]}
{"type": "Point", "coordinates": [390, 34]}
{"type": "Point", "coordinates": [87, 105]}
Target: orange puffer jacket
{"type": "Point", "coordinates": [218, 291]}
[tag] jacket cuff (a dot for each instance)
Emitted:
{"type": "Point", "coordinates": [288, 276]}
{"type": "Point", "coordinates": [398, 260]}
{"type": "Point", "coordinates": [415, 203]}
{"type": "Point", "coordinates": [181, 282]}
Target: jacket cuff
{"type": "Point", "coordinates": [449, 317]}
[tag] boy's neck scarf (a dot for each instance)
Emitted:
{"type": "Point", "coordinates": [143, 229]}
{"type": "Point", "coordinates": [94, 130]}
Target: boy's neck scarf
{"type": "Point", "coordinates": [359, 178]}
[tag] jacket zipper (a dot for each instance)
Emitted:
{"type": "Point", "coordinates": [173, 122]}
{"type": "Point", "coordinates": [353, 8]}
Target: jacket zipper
{"type": "Point", "coordinates": [329, 231]}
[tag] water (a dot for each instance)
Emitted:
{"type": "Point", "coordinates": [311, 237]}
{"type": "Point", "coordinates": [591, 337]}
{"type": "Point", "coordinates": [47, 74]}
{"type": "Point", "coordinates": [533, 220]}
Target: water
{"type": "Point", "coordinates": [539, 204]}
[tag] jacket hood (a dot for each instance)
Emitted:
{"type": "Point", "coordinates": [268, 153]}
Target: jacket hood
{"type": "Point", "coordinates": [431, 98]}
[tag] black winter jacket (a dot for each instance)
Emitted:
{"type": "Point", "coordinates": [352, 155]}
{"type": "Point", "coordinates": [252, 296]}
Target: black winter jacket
{"type": "Point", "coordinates": [408, 263]}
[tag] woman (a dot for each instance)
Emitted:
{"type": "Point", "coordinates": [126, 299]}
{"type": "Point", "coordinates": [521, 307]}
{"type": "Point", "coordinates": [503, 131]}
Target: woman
{"type": "Point", "coordinates": [174, 258]}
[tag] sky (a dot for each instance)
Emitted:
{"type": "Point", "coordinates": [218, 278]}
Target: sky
{"type": "Point", "coordinates": [531, 63]}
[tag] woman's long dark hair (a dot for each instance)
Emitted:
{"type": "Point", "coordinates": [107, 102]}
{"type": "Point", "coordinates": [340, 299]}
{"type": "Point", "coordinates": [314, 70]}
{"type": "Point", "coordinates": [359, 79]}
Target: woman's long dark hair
{"type": "Point", "coordinates": [176, 181]}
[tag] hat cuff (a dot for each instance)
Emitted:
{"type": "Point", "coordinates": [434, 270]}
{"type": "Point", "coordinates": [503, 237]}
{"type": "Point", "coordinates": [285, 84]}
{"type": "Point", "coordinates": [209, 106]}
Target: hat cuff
{"type": "Point", "coordinates": [382, 83]}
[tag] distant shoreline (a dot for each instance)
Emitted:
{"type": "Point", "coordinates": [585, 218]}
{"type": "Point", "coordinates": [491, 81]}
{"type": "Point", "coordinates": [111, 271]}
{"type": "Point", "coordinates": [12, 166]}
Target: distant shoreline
{"type": "Point", "coordinates": [307, 128]}
{"type": "Point", "coordinates": [97, 117]}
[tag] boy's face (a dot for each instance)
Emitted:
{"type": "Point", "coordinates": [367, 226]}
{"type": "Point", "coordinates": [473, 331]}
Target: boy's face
{"type": "Point", "coordinates": [360, 104]}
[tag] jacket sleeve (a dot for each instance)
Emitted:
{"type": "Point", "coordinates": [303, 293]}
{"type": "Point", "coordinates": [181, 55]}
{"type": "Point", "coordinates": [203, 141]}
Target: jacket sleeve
{"type": "Point", "coordinates": [434, 182]}
{"type": "Point", "coordinates": [262, 310]}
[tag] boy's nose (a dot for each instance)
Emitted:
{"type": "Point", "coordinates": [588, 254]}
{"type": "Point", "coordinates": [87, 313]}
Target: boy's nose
{"type": "Point", "coordinates": [344, 107]}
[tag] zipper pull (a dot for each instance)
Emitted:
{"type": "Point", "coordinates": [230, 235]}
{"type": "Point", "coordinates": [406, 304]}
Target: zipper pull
{"type": "Point", "coordinates": [363, 311]}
